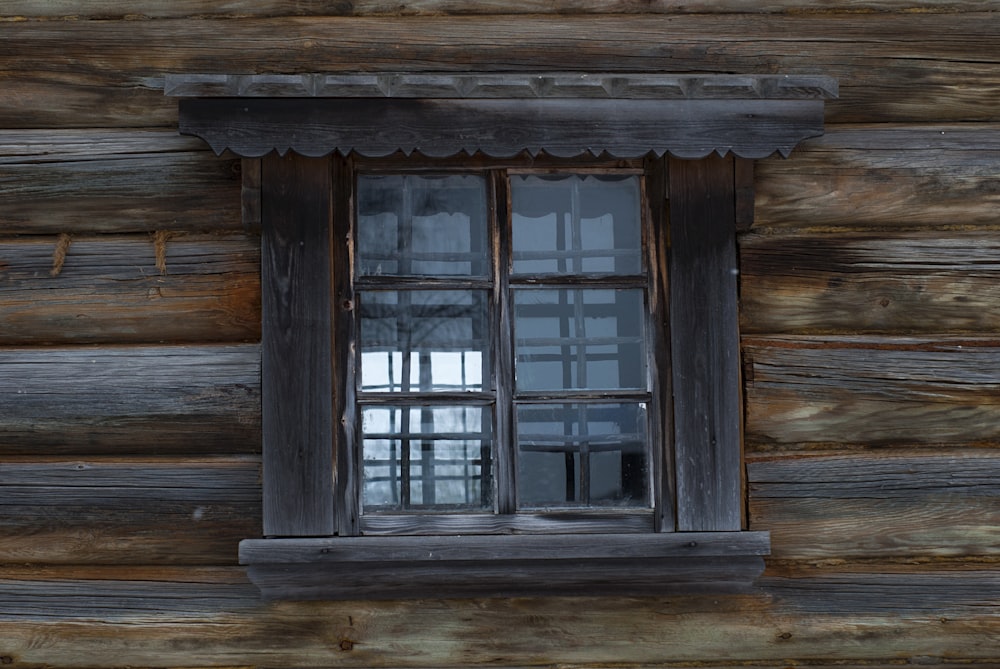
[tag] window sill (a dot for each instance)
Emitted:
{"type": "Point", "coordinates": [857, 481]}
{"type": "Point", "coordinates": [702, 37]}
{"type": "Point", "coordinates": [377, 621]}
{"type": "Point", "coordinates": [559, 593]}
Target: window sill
{"type": "Point", "coordinates": [504, 565]}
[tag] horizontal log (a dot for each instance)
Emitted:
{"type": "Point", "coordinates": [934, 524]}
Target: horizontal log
{"type": "Point", "coordinates": [894, 282]}
{"type": "Point", "coordinates": [872, 620]}
{"type": "Point", "coordinates": [154, 399]}
{"type": "Point", "coordinates": [137, 511]}
{"type": "Point", "coordinates": [103, 9]}
{"type": "Point", "coordinates": [819, 391]}
{"type": "Point", "coordinates": [114, 181]}
{"type": "Point", "coordinates": [940, 176]}
{"type": "Point", "coordinates": [874, 505]}
{"type": "Point", "coordinates": [110, 289]}
{"type": "Point", "coordinates": [109, 73]}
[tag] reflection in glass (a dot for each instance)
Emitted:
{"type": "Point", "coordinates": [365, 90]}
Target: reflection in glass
{"type": "Point", "coordinates": [424, 341]}
{"type": "Point", "coordinates": [576, 224]}
{"type": "Point", "coordinates": [579, 339]}
{"type": "Point", "coordinates": [414, 225]}
{"type": "Point", "coordinates": [578, 454]}
{"type": "Point", "coordinates": [427, 458]}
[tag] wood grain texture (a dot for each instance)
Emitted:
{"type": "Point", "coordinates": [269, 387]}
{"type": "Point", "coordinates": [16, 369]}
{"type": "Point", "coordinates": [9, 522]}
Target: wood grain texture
{"type": "Point", "coordinates": [875, 391]}
{"type": "Point", "coordinates": [113, 181]}
{"type": "Point", "coordinates": [152, 399]}
{"type": "Point", "coordinates": [104, 9]}
{"type": "Point", "coordinates": [56, 74]}
{"type": "Point", "coordinates": [134, 511]}
{"type": "Point", "coordinates": [884, 176]}
{"type": "Point", "coordinates": [867, 282]}
{"type": "Point", "coordinates": [296, 345]}
{"type": "Point", "coordinates": [109, 290]}
{"type": "Point", "coordinates": [874, 505]}
{"type": "Point", "coordinates": [873, 621]}
{"type": "Point", "coordinates": [704, 344]}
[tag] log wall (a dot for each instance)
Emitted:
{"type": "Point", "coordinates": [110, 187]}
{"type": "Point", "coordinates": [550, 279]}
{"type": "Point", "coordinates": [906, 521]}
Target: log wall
{"type": "Point", "coordinates": [130, 357]}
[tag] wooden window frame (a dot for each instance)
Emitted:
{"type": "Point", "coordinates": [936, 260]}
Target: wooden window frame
{"type": "Point", "coordinates": [293, 167]}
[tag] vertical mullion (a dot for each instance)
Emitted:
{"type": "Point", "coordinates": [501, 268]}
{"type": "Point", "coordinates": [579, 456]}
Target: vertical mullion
{"type": "Point", "coordinates": [705, 343]}
{"type": "Point", "coordinates": [660, 422]}
{"type": "Point", "coordinates": [347, 504]}
{"type": "Point", "coordinates": [505, 439]}
{"type": "Point", "coordinates": [296, 362]}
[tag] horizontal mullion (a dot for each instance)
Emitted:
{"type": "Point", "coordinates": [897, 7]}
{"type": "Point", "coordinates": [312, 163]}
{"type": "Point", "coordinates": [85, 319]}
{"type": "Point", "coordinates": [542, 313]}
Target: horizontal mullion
{"type": "Point", "coordinates": [575, 341]}
{"type": "Point", "coordinates": [589, 396]}
{"type": "Point", "coordinates": [573, 253]}
{"type": "Point", "coordinates": [606, 281]}
{"type": "Point", "coordinates": [387, 283]}
{"type": "Point", "coordinates": [429, 436]}
{"type": "Point", "coordinates": [443, 398]}
{"type": "Point", "coordinates": [547, 443]}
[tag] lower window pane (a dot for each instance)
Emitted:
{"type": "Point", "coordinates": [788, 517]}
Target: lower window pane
{"type": "Point", "coordinates": [427, 458]}
{"type": "Point", "coordinates": [582, 454]}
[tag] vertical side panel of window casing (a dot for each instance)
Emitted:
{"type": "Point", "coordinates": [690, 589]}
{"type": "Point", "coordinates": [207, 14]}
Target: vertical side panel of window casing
{"type": "Point", "coordinates": [296, 368]}
{"type": "Point", "coordinates": [704, 333]}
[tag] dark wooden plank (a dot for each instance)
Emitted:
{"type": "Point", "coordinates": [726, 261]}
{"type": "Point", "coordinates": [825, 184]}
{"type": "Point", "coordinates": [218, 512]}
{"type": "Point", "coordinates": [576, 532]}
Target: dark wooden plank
{"type": "Point", "coordinates": [154, 9]}
{"type": "Point", "coordinates": [155, 399]}
{"type": "Point", "coordinates": [816, 392]}
{"type": "Point", "coordinates": [296, 340]}
{"type": "Point", "coordinates": [705, 344]}
{"type": "Point", "coordinates": [113, 181]}
{"type": "Point", "coordinates": [107, 289]}
{"type": "Point", "coordinates": [135, 511]}
{"type": "Point", "coordinates": [250, 194]}
{"type": "Point", "coordinates": [877, 506]}
{"type": "Point", "coordinates": [866, 282]}
{"type": "Point", "coordinates": [107, 73]}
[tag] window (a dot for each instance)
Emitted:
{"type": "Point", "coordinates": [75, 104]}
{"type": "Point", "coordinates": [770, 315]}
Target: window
{"type": "Point", "coordinates": [505, 350]}
{"type": "Point", "coordinates": [500, 350]}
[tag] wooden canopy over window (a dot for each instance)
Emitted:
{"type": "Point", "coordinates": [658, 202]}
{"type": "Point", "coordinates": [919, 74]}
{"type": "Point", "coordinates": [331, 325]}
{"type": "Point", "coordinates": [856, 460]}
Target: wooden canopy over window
{"type": "Point", "coordinates": [501, 115]}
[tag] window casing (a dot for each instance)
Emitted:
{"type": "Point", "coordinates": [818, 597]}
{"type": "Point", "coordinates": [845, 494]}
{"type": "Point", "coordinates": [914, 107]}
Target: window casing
{"type": "Point", "coordinates": [319, 542]}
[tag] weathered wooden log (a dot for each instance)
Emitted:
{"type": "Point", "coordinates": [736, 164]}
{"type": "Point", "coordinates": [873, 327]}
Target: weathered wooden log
{"type": "Point", "coordinates": [868, 619]}
{"type": "Point", "coordinates": [897, 282]}
{"type": "Point", "coordinates": [811, 392]}
{"type": "Point", "coordinates": [135, 511]}
{"type": "Point", "coordinates": [56, 74]}
{"type": "Point", "coordinates": [114, 181]}
{"type": "Point", "coordinates": [876, 505]}
{"type": "Point", "coordinates": [139, 400]}
{"type": "Point", "coordinates": [892, 176]}
{"type": "Point", "coordinates": [104, 9]}
{"type": "Point", "coordinates": [109, 289]}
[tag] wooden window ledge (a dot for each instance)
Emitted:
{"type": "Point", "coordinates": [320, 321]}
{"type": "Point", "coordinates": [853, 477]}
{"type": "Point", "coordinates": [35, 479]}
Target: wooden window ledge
{"type": "Point", "coordinates": [504, 565]}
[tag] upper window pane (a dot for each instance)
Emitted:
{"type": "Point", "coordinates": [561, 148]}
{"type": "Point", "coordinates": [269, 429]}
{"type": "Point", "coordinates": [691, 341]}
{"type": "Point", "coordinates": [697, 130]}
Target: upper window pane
{"type": "Point", "coordinates": [419, 225]}
{"type": "Point", "coordinates": [576, 224]}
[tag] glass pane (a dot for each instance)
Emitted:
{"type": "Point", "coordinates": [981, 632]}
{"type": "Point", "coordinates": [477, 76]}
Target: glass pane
{"type": "Point", "coordinates": [411, 225]}
{"type": "Point", "coordinates": [424, 341]}
{"type": "Point", "coordinates": [579, 339]}
{"type": "Point", "coordinates": [582, 455]}
{"type": "Point", "coordinates": [427, 458]}
{"type": "Point", "coordinates": [576, 224]}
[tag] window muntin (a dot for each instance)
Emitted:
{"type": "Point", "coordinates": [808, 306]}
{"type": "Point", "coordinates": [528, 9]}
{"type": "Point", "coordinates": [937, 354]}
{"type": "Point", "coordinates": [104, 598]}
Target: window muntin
{"type": "Point", "coordinates": [446, 425]}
